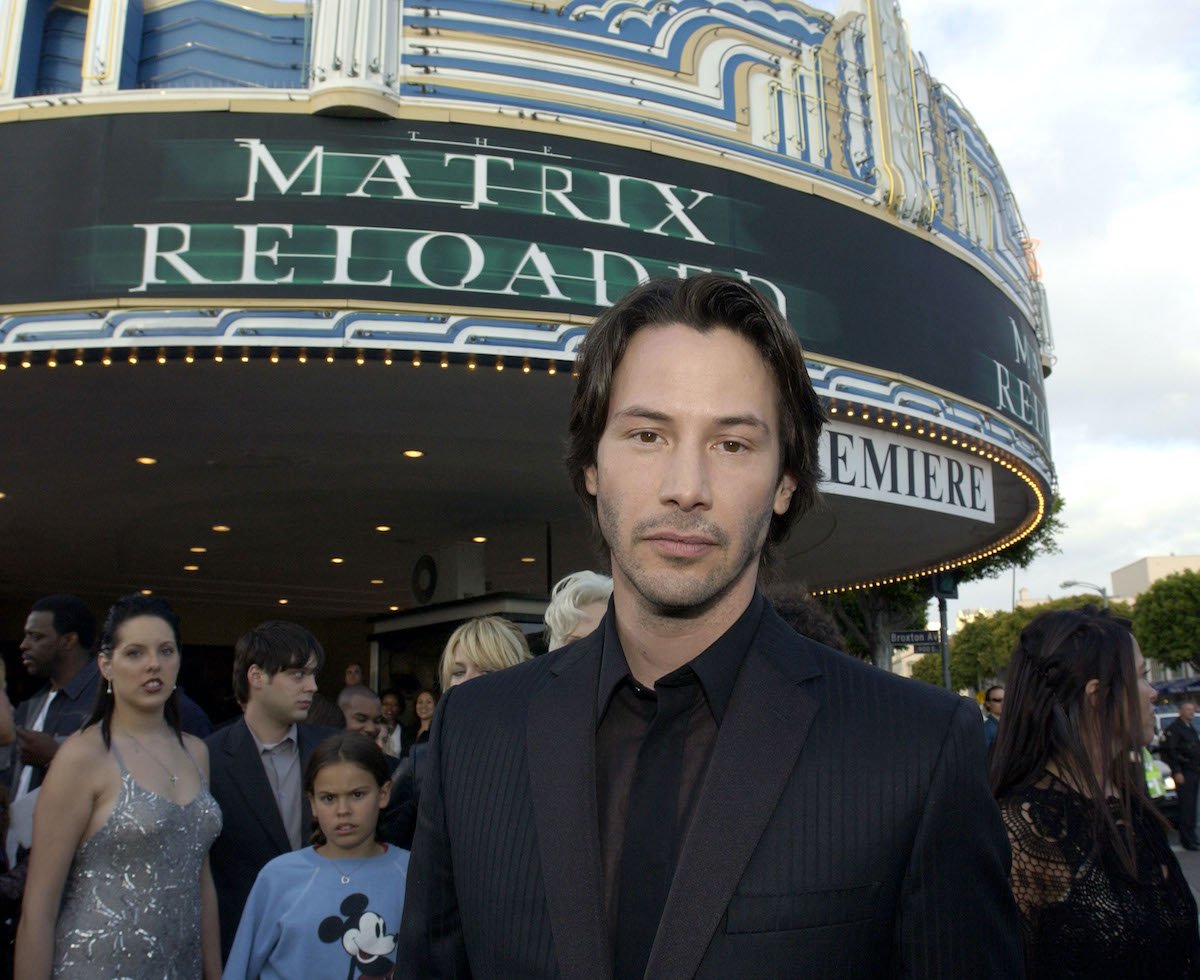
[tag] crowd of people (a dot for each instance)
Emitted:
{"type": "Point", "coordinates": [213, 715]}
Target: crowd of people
{"type": "Point", "coordinates": [677, 789]}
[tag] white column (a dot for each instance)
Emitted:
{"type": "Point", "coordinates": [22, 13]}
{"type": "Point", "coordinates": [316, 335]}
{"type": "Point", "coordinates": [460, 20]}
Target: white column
{"type": "Point", "coordinates": [12, 29]}
{"type": "Point", "coordinates": [104, 46]}
{"type": "Point", "coordinates": [894, 115]}
{"type": "Point", "coordinates": [356, 44]}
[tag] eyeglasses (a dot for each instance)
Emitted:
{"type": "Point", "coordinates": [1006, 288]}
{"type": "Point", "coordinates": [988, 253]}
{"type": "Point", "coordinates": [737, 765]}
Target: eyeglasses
{"type": "Point", "coordinates": [995, 700]}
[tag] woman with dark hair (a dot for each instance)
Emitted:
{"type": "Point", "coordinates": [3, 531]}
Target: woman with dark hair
{"type": "Point", "coordinates": [118, 877]}
{"type": "Point", "coordinates": [1099, 889]}
{"type": "Point", "coordinates": [424, 706]}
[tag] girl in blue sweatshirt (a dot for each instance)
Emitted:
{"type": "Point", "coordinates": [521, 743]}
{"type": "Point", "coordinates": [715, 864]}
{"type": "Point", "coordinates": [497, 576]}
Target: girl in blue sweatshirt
{"type": "Point", "coordinates": [331, 910]}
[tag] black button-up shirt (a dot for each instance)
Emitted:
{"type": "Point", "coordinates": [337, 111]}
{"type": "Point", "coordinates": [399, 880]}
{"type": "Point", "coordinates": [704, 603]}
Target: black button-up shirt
{"type": "Point", "coordinates": [624, 711]}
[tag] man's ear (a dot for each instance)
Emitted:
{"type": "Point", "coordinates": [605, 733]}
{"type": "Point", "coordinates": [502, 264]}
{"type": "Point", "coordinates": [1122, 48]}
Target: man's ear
{"type": "Point", "coordinates": [783, 493]}
{"type": "Point", "coordinates": [590, 480]}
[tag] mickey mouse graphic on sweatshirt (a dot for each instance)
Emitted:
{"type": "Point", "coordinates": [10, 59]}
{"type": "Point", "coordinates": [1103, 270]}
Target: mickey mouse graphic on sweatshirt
{"type": "Point", "coordinates": [363, 934]}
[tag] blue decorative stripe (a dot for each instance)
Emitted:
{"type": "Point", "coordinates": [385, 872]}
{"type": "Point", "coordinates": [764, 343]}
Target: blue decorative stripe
{"type": "Point", "coordinates": [432, 333]}
{"type": "Point", "coordinates": [204, 42]}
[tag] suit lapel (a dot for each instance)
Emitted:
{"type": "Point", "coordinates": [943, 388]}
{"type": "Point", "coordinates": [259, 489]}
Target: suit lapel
{"type": "Point", "coordinates": [759, 741]}
{"type": "Point", "coordinates": [561, 750]}
{"type": "Point", "coordinates": [307, 739]}
{"type": "Point", "coordinates": [251, 783]}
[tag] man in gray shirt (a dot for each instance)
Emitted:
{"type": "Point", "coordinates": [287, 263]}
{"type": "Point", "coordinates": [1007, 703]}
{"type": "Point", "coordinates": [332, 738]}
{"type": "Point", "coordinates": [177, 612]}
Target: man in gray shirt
{"type": "Point", "coordinates": [258, 762]}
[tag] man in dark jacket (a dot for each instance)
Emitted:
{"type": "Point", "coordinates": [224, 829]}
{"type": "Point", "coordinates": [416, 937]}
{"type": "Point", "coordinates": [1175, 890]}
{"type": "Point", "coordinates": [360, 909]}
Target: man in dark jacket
{"type": "Point", "coordinates": [1181, 751]}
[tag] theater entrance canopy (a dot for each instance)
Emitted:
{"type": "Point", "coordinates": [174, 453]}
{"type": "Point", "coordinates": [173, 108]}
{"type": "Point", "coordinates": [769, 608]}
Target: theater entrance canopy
{"type": "Point", "coordinates": [341, 320]}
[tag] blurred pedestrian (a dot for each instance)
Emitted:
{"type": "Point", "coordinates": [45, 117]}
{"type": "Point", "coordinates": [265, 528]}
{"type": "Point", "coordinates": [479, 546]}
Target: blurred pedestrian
{"type": "Point", "coordinates": [1181, 751]}
{"type": "Point", "coordinates": [993, 707]}
{"type": "Point", "coordinates": [1099, 889]}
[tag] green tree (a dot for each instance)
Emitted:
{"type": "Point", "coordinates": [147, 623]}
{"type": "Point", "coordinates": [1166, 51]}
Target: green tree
{"type": "Point", "coordinates": [867, 617]}
{"type": "Point", "coordinates": [1043, 540]}
{"type": "Point", "coordinates": [929, 669]}
{"type": "Point", "coordinates": [980, 651]}
{"type": "Point", "coordinates": [1166, 620]}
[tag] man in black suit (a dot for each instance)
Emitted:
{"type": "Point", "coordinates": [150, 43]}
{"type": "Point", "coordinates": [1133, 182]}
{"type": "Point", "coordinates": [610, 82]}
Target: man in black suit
{"type": "Point", "coordinates": [1181, 751]}
{"type": "Point", "coordinates": [695, 790]}
{"type": "Point", "coordinates": [258, 762]}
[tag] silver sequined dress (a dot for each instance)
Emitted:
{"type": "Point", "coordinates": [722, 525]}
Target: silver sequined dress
{"type": "Point", "coordinates": [131, 907]}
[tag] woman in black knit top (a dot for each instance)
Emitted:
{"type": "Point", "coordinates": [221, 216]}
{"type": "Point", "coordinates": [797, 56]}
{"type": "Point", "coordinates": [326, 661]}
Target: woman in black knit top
{"type": "Point", "coordinates": [1100, 891]}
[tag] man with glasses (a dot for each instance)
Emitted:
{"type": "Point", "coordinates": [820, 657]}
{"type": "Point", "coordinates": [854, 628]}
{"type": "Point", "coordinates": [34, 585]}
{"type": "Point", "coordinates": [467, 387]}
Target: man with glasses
{"type": "Point", "coordinates": [993, 703]}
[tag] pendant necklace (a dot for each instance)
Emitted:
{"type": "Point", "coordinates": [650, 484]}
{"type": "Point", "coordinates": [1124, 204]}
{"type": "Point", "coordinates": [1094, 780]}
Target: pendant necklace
{"type": "Point", "coordinates": [338, 869]}
{"type": "Point", "coordinates": [162, 765]}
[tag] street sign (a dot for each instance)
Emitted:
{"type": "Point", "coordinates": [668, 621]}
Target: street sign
{"type": "Point", "coordinates": [908, 637]}
{"type": "Point", "coordinates": [926, 647]}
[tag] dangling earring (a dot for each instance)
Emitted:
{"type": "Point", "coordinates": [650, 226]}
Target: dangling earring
{"type": "Point", "coordinates": [110, 687]}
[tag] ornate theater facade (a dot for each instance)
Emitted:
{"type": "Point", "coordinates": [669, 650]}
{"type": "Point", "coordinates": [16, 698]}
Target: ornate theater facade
{"type": "Point", "coordinates": [326, 265]}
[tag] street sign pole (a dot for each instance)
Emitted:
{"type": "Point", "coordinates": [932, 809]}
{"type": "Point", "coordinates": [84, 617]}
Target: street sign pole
{"type": "Point", "coordinates": [945, 645]}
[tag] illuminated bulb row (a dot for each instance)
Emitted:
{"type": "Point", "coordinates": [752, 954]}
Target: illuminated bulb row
{"type": "Point", "coordinates": [934, 432]}
{"type": "Point", "coordinates": [1022, 532]}
{"type": "Point", "coordinates": [302, 357]}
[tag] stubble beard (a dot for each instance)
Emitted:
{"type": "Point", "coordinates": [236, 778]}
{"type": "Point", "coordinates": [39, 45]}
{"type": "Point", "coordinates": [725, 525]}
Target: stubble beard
{"type": "Point", "coordinates": [682, 592]}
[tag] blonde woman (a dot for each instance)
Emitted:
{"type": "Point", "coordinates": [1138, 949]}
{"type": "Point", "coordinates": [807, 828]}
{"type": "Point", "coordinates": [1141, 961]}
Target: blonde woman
{"type": "Point", "coordinates": [482, 646]}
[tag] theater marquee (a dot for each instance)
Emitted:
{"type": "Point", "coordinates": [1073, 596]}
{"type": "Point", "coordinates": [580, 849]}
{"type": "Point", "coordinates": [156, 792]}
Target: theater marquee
{"type": "Point", "coordinates": [187, 208]}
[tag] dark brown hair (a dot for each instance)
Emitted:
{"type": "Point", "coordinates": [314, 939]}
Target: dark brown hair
{"type": "Point", "coordinates": [352, 747]}
{"type": "Point", "coordinates": [704, 303]}
{"type": "Point", "coordinates": [273, 646]}
{"type": "Point", "coordinates": [1047, 719]}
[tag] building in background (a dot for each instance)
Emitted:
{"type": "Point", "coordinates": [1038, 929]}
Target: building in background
{"type": "Point", "coordinates": [291, 291]}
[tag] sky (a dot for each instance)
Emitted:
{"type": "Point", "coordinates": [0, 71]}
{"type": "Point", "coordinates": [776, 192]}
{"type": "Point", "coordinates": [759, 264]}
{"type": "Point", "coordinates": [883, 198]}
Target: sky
{"type": "Point", "coordinates": [1093, 109]}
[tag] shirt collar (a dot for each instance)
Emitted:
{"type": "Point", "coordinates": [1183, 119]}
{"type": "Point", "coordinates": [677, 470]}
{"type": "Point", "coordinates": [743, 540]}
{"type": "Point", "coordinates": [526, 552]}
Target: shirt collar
{"type": "Point", "coordinates": [716, 667]}
{"type": "Point", "coordinates": [85, 676]}
{"type": "Point", "coordinates": [266, 746]}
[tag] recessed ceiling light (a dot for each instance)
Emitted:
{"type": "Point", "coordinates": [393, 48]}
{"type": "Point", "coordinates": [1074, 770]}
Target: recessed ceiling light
{"type": "Point", "coordinates": [528, 560]}
{"type": "Point", "coordinates": [198, 550]}
{"type": "Point", "coordinates": [147, 592]}
{"type": "Point", "coordinates": [414, 453]}
{"type": "Point", "coordinates": [191, 568]}
{"type": "Point", "coordinates": [479, 539]}
{"type": "Point", "coordinates": [283, 602]}
{"type": "Point", "coordinates": [146, 460]}
{"type": "Point", "coordinates": [383, 528]}
{"type": "Point", "coordinates": [2, 495]}
{"type": "Point", "coordinates": [377, 581]}
{"type": "Point", "coordinates": [393, 608]}
{"type": "Point", "coordinates": [337, 561]}
{"type": "Point", "coordinates": [220, 528]}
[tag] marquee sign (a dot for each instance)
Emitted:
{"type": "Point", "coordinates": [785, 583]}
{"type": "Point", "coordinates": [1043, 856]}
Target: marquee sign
{"type": "Point", "coordinates": [193, 207]}
{"type": "Point", "coordinates": [898, 469]}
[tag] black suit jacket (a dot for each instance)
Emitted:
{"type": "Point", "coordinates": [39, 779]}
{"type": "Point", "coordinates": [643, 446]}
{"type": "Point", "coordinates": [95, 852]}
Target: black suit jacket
{"type": "Point", "coordinates": [1181, 747]}
{"type": "Point", "coordinates": [252, 831]}
{"type": "Point", "coordinates": [844, 829]}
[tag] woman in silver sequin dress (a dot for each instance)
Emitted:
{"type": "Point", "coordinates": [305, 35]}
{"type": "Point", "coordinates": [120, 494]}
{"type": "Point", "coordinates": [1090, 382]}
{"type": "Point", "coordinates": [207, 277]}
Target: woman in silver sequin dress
{"type": "Point", "coordinates": [119, 884]}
